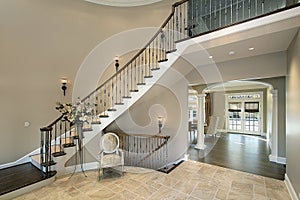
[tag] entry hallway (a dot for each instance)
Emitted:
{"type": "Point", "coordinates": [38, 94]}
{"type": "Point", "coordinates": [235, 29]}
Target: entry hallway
{"type": "Point", "coordinates": [190, 180]}
{"type": "Point", "coordinates": [248, 153]}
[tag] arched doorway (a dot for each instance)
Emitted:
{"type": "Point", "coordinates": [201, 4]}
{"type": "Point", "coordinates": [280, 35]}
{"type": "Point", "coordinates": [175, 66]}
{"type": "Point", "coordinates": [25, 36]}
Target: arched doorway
{"type": "Point", "coordinates": [247, 106]}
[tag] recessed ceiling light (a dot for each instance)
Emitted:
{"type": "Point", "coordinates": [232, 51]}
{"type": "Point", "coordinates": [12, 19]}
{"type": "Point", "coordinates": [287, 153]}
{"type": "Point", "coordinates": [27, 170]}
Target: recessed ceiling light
{"type": "Point", "coordinates": [231, 53]}
{"type": "Point", "coordinates": [210, 57]}
{"type": "Point", "coordinates": [251, 48]}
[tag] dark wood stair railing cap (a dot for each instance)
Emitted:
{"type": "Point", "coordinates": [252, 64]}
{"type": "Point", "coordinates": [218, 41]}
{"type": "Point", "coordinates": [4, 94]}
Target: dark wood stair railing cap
{"type": "Point", "coordinates": [167, 137]}
{"type": "Point", "coordinates": [47, 128]}
{"type": "Point", "coordinates": [140, 51]}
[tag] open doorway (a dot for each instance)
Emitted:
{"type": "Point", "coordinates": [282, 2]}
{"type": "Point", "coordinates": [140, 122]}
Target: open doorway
{"type": "Point", "coordinates": [245, 130]}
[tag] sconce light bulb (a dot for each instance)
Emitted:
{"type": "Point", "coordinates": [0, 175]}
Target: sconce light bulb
{"type": "Point", "coordinates": [64, 82]}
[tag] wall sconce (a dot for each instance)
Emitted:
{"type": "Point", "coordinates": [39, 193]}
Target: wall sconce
{"type": "Point", "coordinates": [117, 63]}
{"type": "Point", "coordinates": [64, 85]}
{"type": "Point", "coordinates": [160, 124]}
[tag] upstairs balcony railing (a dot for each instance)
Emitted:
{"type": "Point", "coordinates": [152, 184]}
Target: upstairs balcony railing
{"type": "Point", "coordinates": [147, 151]}
{"type": "Point", "coordinates": [209, 15]}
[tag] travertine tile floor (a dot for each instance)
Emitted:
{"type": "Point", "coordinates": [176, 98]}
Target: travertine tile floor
{"type": "Point", "coordinates": [190, 180]}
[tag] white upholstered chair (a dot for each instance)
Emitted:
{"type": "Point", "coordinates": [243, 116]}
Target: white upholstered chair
{"type": "Point", "coordinates": [110, 155]}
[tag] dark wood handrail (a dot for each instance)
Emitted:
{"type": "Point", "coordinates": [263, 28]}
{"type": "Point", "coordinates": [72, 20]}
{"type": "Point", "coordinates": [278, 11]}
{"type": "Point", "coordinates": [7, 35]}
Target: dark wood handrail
{"type": "Point", "coordinates": [141, 50]}
{"type": "Point", "coordinates": [145, 135]}
{"type": "Point", "coordinates": [132, 59]}
{"type": "Point", "coordinates": [54, 122]}
{"type": "Point", "coordinates": [154, 150]}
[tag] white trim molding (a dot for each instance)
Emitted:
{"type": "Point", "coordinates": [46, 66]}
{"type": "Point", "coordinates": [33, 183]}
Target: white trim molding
{"type": "Point", "coordinates": [277, 159]}
{"type": "Point", "coordinates": [20, 161]}
{"type": "Point", "coordinates": [274, 134]}
{"type": "Point", "coordinates": [290, 188]}
{"type": "Point", "coordinates": [201, 120]}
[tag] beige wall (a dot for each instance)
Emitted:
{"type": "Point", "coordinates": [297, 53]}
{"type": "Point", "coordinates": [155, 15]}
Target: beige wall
{"type": "Point", "coordinates": [167, 98]}
{"type": "Point", "coordinates": [293, 114]}
{"type": "Point", "coordinates": [43, 41]}
{"type": "Point", "coordinates": [279, 85]}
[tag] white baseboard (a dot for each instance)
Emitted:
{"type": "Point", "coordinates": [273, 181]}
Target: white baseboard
{"type": "Point", "coordinates": [290, 188]}
{"type": "Point", "coordinates": [277, 159]}
{"type": "Point", "coordinates": [22, 160]}
{"type": "Point", "coordinates": [263, 134]}
{"type": "Point", "coordinates": [86, 166]}
{"type": "Point", "coordinates": [18, 162]}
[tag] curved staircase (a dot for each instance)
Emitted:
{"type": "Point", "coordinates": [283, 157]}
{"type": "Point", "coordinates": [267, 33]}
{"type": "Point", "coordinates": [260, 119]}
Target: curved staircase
{"type": "Point", "coordinates": [112, 98]}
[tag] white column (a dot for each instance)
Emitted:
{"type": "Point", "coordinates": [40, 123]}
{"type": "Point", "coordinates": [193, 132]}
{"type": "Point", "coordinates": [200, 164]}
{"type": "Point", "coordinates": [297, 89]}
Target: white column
{"type": "Point", "coordinates": [274, 134]}
{"type": "Point", "coordinates": [200, 126]}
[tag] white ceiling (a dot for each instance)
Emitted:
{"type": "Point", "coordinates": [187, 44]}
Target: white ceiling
{"type": "Point", "coordinates": [263, 44]}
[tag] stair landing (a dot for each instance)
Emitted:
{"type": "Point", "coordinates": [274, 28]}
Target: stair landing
{"type": "Point", "coordinates": [16, 177]}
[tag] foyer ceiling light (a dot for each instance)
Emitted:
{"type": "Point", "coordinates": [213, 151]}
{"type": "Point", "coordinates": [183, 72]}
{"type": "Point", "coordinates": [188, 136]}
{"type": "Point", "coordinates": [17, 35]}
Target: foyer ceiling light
{"type": "Point", "coordinates": [123, 3]}
{"type": "Point", "coordinates": [210, 57]}
{"type": "Point", "coordinates": [251, 48]}
{"type": "Point", "coordinates": [64, 82]}
{"type": "Point", "coordinates": [231, 53]}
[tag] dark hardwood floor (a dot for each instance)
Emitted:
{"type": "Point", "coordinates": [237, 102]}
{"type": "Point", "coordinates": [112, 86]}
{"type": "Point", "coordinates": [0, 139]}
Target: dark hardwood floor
{"type": "Point", "coordinates": [246, 153]}
{"type": "Point", "coordinates": [16, 177]}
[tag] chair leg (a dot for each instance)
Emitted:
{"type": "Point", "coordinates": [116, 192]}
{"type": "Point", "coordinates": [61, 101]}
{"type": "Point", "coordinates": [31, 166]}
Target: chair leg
{"type": "Point", "coordinates": [100, 173]}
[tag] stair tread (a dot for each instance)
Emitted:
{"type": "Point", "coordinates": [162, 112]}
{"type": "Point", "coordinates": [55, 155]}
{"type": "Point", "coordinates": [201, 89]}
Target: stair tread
{"type": "Point", "coordinates": [96, 122]}
{"type": "Point", "coordinates": [67, 142]}
{"type": "Point", "coordinates": [66, 145]}
{"type": "Point", "coordinates": [163, 60]}
{"type": "Point", "coordinates": [150, 76]}
{"type": "Point", "coordinates": [57, 154]}
{"type": "Point", "coordinates": [171, 51]}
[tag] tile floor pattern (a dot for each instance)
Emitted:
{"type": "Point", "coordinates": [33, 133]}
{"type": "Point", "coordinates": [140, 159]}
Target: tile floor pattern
{"type": "Point", "coordinates": [191, 180]}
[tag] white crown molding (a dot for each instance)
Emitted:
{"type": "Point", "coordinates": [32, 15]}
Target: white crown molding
{"type": "Point", "coordinates": [123, 3]}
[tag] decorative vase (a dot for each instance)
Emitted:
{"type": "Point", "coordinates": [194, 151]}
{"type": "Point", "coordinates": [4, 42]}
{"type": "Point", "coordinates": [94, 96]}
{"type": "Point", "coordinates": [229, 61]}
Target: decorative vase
{"type": "Point", "coordinates": [79, 125]}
